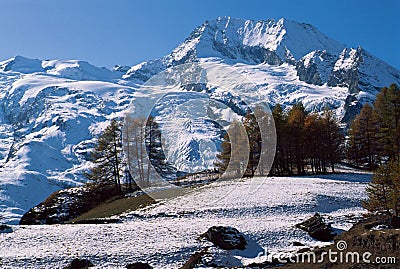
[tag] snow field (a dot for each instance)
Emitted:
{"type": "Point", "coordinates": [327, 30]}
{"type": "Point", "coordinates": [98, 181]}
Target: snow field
{"type": "Point", "coordinates": [165, 234]}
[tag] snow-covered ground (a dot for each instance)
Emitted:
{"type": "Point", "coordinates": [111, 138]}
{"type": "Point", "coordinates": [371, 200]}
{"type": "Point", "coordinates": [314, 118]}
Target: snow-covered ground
{"type": "Point", "coordinates": [166, 233]}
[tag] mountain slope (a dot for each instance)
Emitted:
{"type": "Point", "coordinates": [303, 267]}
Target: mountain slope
{"type": "Point", "coordinates": [49, 118]}
{"type": "Point", "coordinates": [318, 59]}
{"type": "Point", "coordinates": [245, 41]}
{"type": "Point", "coordinates": [51, 111]}
{"type": "Point", "coordinates": [233, 38]}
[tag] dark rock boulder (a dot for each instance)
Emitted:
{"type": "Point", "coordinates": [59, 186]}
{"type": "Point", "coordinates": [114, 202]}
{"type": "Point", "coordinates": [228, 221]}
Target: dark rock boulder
{"type": "Point", "coordinates": [297, 244]}
{"type": "Point", "coordinates": [317, 228]}
{"type": "Point", "coordinates": [139, 265]}
{"type": "Point", "coordinates": [79, 264]}
{"type": "Point", "coordinates": [230, 247]}
{"type": "Point", "coordinates": [225, 237]}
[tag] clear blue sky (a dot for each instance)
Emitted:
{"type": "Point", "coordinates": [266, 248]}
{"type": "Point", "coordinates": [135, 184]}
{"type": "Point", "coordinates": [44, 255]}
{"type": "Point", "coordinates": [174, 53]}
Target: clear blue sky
{"type": "Point", "coordinates": [112, 32]}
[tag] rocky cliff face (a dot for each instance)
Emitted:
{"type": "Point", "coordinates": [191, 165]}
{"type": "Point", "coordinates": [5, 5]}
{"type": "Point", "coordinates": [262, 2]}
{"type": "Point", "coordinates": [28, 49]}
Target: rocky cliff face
{"type": "Point", "coordinates": [316, 67]}
{"type": "Point", "coordinates": [345, 71]}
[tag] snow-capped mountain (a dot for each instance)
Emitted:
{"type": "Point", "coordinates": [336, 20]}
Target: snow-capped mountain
{"type": "Point", "coordinates": [318, 60]}
{"type": "Point", "coordinates": [51, 110]}
{"type": "Point", "coordinates": [244, 41]}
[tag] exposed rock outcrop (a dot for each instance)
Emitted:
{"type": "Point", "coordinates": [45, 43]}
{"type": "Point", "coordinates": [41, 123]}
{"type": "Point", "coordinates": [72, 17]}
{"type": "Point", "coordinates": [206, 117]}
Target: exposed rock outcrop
{"type": "Point", "coordinates": [227, 238]}
{"type": "Point", "coordinates": [317, 228]}
{"type": "Point", "coordinates": [345, 72]}
{"type": "Point", "coordinates": [5, 229]}
{"type": "Point", "coordinates": [352, 107]}
{"type": "Point", "coordinates": [316, 67]}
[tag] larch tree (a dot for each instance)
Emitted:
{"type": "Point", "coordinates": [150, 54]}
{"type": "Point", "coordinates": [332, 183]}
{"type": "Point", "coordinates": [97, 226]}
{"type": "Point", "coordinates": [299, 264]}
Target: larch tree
{"type": "Point", "coordinates": [108, 157]}
{"type": "Point", "coordinates": [144, 151]}
{"type": "Point", "coordinates": [333, 138]}
{"type": "Point", "coordinates": [296, 117]}
{"type": "Point", "coordinates": [306, 141]}
{"type": "Point", "coordinates": [364, 141]}
{"type": "Point", "coordinates": [232, 154]}
{"type": "Point", "coordinates": [155, 152]}
{"type": "Point", "coordinates": [384, 189]}
{"type": "Point", "coordinates": [266, 134]}
{"type": "Point", "coordinates": [135, 149]}
{"type": "Point", "coordinates": [254, 135]}
{"type": "Point", "coordinates": [315, 152]}
{"type": "Point", "coordinates": [375, 132]}
{"type": "Point", "coordinates": [128, 148]}
{"type": "Point", "coordinates": [281, 163]}
{"type": "Point", "coordinates": [224, 155]}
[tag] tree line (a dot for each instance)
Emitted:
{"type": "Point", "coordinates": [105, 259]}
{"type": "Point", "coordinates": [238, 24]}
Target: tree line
{"type": "Point", "coordinates": [313, 143]}
{"type": "Point", "coordinates": [374, 134]}
{"type": "Point", "coordinates": [306, 143]}
{"type": "Point", "coordinates": [374, 142]}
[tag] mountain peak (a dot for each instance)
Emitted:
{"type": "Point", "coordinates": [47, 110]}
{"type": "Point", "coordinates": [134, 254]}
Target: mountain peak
{"type": "Point", "coordinates": [21, 64]}
{"type": "Point", "coordinates": [248, 40]}
{"type": "Point", "coordinates": [317, 58]}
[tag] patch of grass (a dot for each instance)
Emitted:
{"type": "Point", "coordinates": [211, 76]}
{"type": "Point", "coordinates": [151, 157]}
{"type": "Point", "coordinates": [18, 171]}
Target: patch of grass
{"type": "Point", "coordinates": [118, 205]}
{"type": "Point", "coordinates": [115, 207]}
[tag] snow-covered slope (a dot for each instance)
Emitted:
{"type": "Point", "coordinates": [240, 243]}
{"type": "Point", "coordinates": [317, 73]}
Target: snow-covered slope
{"type": "Point", "coordinates": [51, 110]}
{"type": "Point", "coordinates": [245, 41]}
{"type": "Point", "coordinates": [71, 69]}
{"type": "Point", "coordinates": [234, 38]}
{"type": "Point", "coordinates": [166, 234]}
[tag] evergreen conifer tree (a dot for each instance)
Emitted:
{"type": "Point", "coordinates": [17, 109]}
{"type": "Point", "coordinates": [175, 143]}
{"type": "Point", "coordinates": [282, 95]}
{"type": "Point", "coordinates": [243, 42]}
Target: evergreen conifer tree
{"type": "Point", "coordinates": [387, 108]}
{"type": "Point", "coordinates": [384, 189]}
